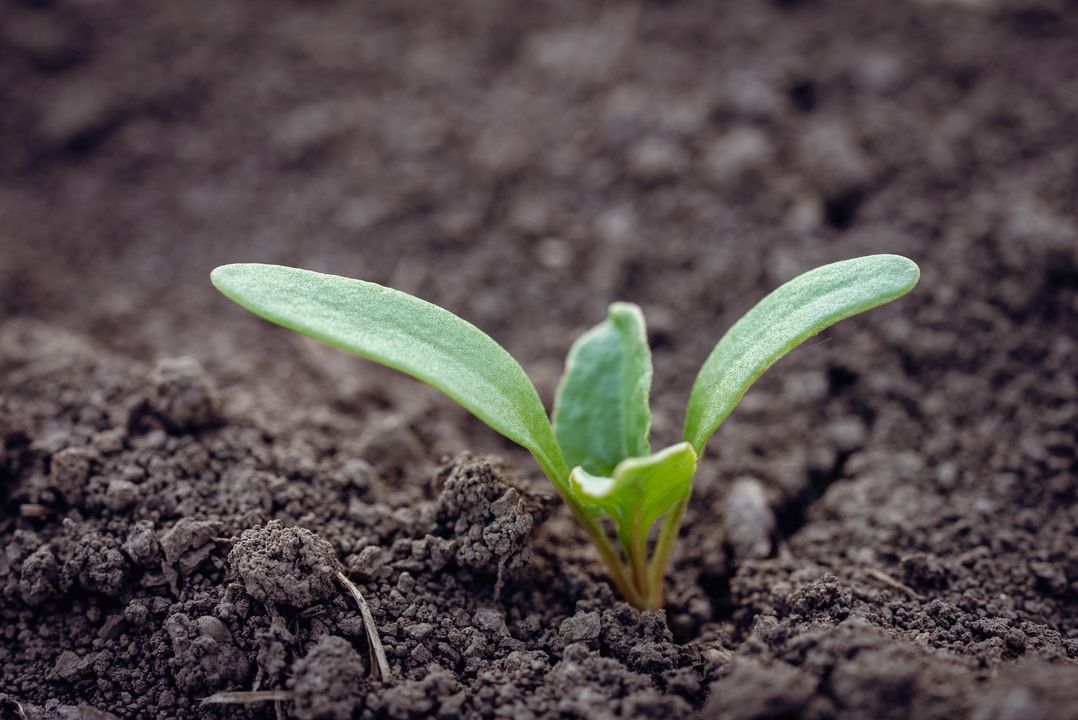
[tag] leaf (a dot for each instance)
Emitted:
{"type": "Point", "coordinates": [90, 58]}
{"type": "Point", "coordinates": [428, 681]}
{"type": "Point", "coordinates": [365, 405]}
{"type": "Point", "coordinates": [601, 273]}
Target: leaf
{"type": "Point", "coordinates": [640, 490]}
{"type": "Point", "coordinates": [601, 413]}
{"type": "Point", "coordinates": [407, 334]}
{"type": "Point", "coordinates": [783, 320]}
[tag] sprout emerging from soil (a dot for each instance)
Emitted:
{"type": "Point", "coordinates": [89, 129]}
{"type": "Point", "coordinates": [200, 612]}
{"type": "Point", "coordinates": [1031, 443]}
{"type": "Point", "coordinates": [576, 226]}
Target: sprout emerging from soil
{"type": "Point", "coordinates": [595, 449]}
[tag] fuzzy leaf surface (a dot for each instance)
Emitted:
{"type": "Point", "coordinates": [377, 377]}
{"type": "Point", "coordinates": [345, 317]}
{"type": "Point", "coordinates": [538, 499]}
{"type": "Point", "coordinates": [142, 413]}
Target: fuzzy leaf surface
{"type": "Point", "coordinates": [409, 335]}
{"type": "Point", "coordinates": [784, 319]}
{"type": "Point", "coordinates": [601, 414]}
{"type": "Point", "coordinates": [640, 490]}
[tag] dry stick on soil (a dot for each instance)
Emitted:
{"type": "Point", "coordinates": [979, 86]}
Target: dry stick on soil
{"type": "Point", "coordinates": [379, 665]}
{"type": "Point", "coordinates": [595, 446]}
{"type": "Point", "coordinates": [34, 510]}
{"type": "Point", "coordinates": [244, 697]}
{"type": "Point", "coordinates": [19, 712]}
{"type": "Point", "coordinates": [891, 582]}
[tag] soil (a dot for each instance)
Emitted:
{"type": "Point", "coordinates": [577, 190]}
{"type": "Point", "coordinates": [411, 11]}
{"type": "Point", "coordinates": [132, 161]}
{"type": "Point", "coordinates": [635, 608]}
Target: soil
{"type": "Point", "coordinates": [887, 526]}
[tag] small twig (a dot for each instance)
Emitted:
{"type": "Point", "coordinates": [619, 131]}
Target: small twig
{"type": "Point", "coordinates": [379, 665]}
{"type": "Point", "coordinates": [18, 708]}
{"type": "Point", "coordinates": [244, 697]}
{"type": "Point", "coordinates": [34, 510]}
{"type": "Point", "coordinates": [892, 583]}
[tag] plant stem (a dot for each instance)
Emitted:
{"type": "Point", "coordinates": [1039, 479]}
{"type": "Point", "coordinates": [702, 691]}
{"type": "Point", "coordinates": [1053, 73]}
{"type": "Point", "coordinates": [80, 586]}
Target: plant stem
{"type": "Point", "coordinates": [598, 538]}
{"type": "Point", "coordinates": [663, 548]}
{"type": "Point", "coordinates": [610, 558]}
{"type": "Point", "coordinates": [637, 550]}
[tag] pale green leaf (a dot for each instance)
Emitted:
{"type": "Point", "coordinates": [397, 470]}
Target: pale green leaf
{"type": "Point", "coordinates": [407, 334]}
{"type": "Point", "coordinates": [640, 490]}
{"type": "Point", "coordinates": [601, 413]}
{"type": "Point", "coordinates": [783, 320]}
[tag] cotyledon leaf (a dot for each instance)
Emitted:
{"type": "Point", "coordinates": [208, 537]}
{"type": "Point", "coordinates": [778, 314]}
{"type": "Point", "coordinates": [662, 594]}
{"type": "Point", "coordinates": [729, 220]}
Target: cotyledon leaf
{"type": "Point", "coordinates": [601, 413]}
{"type": "Point", "coordinates": [639, 491]}
{"type": "Point", "coordinates": [407, 334]}
{"type": "Point", "coordinates": [783, 320]}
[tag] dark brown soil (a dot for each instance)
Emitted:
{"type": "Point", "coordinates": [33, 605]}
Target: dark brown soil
{"type": "Point", "coordinates": [887, 526]}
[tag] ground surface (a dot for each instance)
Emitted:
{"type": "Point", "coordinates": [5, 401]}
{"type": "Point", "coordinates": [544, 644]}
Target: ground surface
{"type": "Point", "coordinates": [524, 164]}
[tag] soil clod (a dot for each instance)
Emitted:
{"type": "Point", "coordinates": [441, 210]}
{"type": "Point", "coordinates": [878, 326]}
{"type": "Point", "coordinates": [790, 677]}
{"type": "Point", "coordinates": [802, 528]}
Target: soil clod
{"type": "Point", "coordinates": [289, 566]}
{"type": "Point", "coordinates": [183, 396]}
{"type": "Point", "coordinates": [328, 682]}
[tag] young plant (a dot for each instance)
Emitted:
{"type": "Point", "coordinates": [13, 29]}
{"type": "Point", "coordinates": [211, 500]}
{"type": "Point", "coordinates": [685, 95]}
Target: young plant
{"type": "Point", "coordinates": [596, 451]}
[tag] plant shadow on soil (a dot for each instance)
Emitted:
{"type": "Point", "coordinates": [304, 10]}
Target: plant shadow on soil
{"type": "Point", "coordinates": [887, 526]}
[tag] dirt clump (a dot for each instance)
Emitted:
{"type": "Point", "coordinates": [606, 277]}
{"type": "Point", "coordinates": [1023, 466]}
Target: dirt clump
{"type": "Point", "coordinates": [328, 683]}
{"type": "Point", "coordinates": [487, 520]}
{"type": "Point", "coordinates": [182, 395]}
{"type": "Point", "coordinates": [289, 566]}
{"type": "Point", "coordinates": [203, 654]}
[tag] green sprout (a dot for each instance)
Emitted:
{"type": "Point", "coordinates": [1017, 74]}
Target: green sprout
{"type": "Point", "coordinates": [596, 450]}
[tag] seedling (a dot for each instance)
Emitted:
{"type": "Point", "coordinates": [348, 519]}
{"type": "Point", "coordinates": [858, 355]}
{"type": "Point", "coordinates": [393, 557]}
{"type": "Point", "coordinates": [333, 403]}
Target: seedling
{"type": "Point", "coordinates": [596, 449]}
